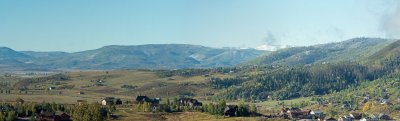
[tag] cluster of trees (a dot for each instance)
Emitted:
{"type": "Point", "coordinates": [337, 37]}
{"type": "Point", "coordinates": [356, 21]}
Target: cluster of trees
{"type": "Point", "coordinates": [167, 106]}
{"type": "Point", "coordinates": [174, 105]}
{"type": "Point", "coordinates": [4, 84]}
{"type": "Point", "coordinates": [90, 112]}
{"type": "Point", "coordinates": [5, 91]}
{"type": "Point", "coordinates": [215, 109]}
{"type": "Point", "coordinates": [7, 116]}
{"type": "Point", "coordinates": [241, 109]}
{"type": "Point", "coordinates": [219, 83]}
{"type": "Point", "coordinates": [183, 72]}
{"type": "Point", "coordinates": [83, 112]}
{"type": "Point", "coordinates": [144, 107]}
{"type": "Point", "coordinates": [9, 112]}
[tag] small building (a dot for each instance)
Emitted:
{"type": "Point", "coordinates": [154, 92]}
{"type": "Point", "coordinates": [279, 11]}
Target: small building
{"type": "Point", "coordinates": [52, 116]}
{"type": "Point", "coordinates": [367, 119]}
{"type": "Point", "coordinates": [108, 101]}
{"type": "Point", "coordinates": [152, 101]}
{"type": "Point", "coordinates": [142, 99]}
{"type": "Point", "coordinates": [230, 110]}
{"type": "Point", "coordinates": [346, 106]}
{"type": "Point", "coordinates": [346, 118]}
{"type": "Point", "coordinates": [385, 102]}
{"type": "Point", "coordinates": [118, 102]}
{"type": "Point", "coordinates": [355, 115]}
{"type": "Point", "coordinates": [317, 113]}
{"type": "Point", "coordinates": [52, 88]}
{"type": "Point", "coordinates": [189, 102]}
{"type": "Point", "coordinates": [80, 93]}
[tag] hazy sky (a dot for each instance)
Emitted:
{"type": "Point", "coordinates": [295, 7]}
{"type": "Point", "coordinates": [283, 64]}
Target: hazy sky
{"type": "Point", "coordinates": [75, 25]}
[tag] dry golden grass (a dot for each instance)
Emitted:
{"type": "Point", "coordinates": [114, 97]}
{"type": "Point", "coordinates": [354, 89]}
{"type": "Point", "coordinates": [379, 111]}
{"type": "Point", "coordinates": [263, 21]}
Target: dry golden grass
{"type": "Point", "coordinates": [148, 83]}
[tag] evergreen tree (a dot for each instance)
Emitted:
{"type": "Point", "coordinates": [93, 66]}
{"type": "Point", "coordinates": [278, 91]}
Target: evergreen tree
{"type": "Point", "coordinates": [2, 116]}
{"type": "Point", "coordinates": [253, 109]}
{"type": "Point", "coordinates": [11, 115]}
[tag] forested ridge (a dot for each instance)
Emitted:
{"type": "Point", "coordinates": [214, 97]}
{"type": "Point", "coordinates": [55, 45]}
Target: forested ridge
{"type": "Point", "coordinates": [279, 82]}
{"type": "Point", "coordinates": [284, 82]}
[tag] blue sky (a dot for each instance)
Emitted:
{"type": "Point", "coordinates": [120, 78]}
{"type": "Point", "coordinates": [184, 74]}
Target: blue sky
{"type": "Point", "coordinates": [75, 25]}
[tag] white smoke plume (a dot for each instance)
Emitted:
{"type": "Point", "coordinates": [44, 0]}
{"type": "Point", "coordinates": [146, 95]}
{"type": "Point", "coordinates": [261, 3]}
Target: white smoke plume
{"type": "Point", "coordinates": [391, 23]}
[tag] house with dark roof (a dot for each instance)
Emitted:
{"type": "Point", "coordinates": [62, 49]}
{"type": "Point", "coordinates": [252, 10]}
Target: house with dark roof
{"type": "Point", "coordinates": [317, 114]}
{"type": "Point", "coordinates": [230, 110]}
{"type": "Point", "coordinates": [108, 101]}
{"type": "Point", "coordinates": [189, 102]}
{"type": "Point", "coordinates": [355, 115]}
{"type": "Point", "coordinates": [152, 101]}
{"type": "Point", "coordinates": [141, 99]}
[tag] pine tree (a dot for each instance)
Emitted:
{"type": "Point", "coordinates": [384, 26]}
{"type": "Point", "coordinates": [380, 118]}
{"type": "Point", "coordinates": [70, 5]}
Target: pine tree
{"type": "Point", "coordinates": [11, 115]}
{"type": "Point", "coordinates": [253, 109]}
{"type": "Point", "coordinates": [221, 106]}
{"type": "Point", "coordinates": [2, 116]}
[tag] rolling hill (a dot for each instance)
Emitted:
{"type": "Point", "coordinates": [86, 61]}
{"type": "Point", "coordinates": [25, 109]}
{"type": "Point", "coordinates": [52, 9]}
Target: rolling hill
{"type": "Point", "coordinates": [154, 56]}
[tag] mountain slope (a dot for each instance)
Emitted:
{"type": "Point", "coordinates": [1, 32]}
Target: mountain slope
{"type": "Point", "coordinates": [154, 56]}
{"type": "Point", "coordinates": [11, 58]}
{"type": "Point", "coordinates": [350, 50]}
{"type": "Point", "coordinates": [348, 64]}
{"type": "Point", "coordinates": [387, 54]}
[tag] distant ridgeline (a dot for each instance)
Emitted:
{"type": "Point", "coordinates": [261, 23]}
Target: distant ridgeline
{"type": "Point", "coordinates": [156, 56]}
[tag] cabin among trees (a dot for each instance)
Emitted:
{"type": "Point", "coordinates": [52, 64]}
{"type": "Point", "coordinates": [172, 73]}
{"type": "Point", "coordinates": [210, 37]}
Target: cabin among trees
{"type": "Point", "coordinates": [230, 110]}
{"type": "Point", "coordinates": [143, 99]}
{"type": "Point", "coordinates": [189, 102]}
{"type": "Point", "coordinates": [146, 104]}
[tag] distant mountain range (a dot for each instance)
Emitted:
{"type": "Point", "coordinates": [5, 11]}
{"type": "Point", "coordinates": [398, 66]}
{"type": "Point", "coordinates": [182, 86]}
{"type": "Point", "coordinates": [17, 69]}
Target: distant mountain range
{"type": "Point", "coordinates": [354, 50]}
{"type": "Point", "coordinates": [179, 56]}
{"type": "Point", "coordinates": [154, 56]}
